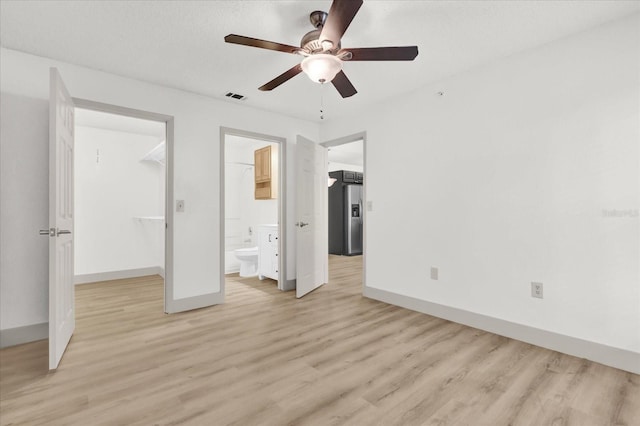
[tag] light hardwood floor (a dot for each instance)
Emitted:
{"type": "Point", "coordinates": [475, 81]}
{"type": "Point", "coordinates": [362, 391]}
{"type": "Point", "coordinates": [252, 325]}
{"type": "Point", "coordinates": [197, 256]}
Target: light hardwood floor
{"type": "Point", "coordinates": [265, 357]}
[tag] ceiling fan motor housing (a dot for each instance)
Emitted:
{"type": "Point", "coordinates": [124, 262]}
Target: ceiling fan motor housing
{"type": "Point", "coordinates": [317, 18]}
{"type": "Point", "coordinates": [311, 41]}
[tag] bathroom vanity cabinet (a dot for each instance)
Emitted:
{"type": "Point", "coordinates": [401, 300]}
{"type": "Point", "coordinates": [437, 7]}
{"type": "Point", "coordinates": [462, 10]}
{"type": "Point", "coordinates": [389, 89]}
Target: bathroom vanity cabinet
{"type": "Point", "coordinates": [268, 251]}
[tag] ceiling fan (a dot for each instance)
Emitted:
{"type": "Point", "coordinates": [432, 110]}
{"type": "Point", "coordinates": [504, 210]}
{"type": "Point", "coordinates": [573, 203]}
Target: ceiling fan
{"type": "Point", "coordinates": [323, 51]}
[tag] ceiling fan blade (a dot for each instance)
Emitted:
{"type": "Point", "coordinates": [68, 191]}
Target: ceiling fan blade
{"type": "Point", "coordinates": [343, 85]}
{"type": "Point", "coordinates": [340, 16]}
{"type": "Point", "coordinates": [285, 76]}
{"type": "Point", "coordinates": [263, 44]}
{"type": "Point", "coordinates": [403, 53]}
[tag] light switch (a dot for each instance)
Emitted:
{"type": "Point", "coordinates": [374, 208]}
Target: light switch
{"type": "Point", "coordinates": [180, 205]}
{"type": "Point", "coordinates": [434, 273]}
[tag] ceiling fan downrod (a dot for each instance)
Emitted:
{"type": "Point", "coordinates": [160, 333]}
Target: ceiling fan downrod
{"type": "Point", "coordinates": [317, 18]}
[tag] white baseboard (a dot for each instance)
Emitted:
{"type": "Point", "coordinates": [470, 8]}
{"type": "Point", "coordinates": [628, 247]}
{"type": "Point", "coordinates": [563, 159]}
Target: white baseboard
{"type": "Point", "coordinates": [118, 275]}
{"type": "Point", "coordinates": [603, 354]}
{"type": "Point", "coordinates": [26, 334]}
{"type": "Point", "coordinates": [289, 285]}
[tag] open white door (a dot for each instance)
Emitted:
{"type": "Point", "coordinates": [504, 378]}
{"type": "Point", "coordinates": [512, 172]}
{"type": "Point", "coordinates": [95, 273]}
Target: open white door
{"type": "Point", "coordinates": [61, 290]}
{"type": "Point", "coordinates": [311, 216]}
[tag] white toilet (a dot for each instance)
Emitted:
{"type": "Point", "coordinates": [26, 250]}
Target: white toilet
{"type": "Point", "coordinates": [248, 258]}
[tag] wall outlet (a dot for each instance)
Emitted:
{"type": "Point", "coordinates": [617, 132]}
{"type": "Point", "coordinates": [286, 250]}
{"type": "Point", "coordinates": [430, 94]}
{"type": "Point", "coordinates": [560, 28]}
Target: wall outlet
{"type": "Point", "coordinates": [536, 290]}
{"type": "Point", "coordinates": [434, 273]}
{"type": "Point", "coordinates": [180, 205]}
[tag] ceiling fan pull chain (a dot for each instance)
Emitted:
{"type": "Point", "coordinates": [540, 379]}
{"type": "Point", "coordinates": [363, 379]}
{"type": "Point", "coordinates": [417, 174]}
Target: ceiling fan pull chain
{"type": "Point", "coordinates": [321, 101]}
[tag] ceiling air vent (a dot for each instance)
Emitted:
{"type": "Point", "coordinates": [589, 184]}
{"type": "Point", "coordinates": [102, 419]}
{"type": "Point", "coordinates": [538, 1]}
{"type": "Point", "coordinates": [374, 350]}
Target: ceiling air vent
{"type": "Point", "coordinates": [235, 96]}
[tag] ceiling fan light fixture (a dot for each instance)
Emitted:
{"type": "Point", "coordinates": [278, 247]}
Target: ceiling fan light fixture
{"type": "Point", "coordinates": [321, 67]}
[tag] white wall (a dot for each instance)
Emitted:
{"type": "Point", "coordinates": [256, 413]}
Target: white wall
{"type": "Point", "coordinates": [24, 174]}
{"type": "Point", "coordinates": [24, 81]}
{"type": "Point", "coordinates": [348, 156]}
{"type": "Point", "coordinates": [509, 175]}
{"type": "Point", "coordinates": [334, 166]}
{"type": "Point", "coordinates": [243, 211]}
{"type": "Point", "coordinates": [111, 188]}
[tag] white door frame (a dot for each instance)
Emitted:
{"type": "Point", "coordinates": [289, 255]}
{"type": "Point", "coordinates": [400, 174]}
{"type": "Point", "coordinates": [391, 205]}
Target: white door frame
{"type": "Point", "coordinates": [283, 283]}
{"type": "Point", "coordinates": [168, 241]}
{"type": "Point", "coordinates": [341, 141]}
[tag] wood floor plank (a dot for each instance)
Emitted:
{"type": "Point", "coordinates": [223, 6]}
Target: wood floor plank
{"type": "Point", "coordinates": [267, 358]}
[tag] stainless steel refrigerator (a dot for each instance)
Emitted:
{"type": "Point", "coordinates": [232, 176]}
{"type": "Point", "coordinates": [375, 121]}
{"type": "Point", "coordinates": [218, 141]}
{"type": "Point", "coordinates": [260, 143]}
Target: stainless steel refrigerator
{"type": "Point", "coordinates": [345, 219]}
{"type": "Point", "coordinates": [353, 225]}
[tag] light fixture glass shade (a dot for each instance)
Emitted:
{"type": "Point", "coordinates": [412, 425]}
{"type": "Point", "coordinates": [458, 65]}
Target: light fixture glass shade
{"type": "Point", "coordinates": [321, 67]}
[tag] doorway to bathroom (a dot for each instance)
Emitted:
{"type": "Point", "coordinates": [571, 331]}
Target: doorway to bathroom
{"type": "Point", "coordinates": [120, 204]}
{"type": "Point", "coordinates": [347, 207]}
{"type": "Point", "coordinates": [252, 201]}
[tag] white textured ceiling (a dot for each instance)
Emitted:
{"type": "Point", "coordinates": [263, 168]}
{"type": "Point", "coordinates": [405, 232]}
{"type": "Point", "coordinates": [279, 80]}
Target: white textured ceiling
{"type": "Point", "coordinates": [180, 43]}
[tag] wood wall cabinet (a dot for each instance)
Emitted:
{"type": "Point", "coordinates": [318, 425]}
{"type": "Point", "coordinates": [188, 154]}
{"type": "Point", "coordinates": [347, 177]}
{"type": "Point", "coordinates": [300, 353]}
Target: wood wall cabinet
{"type": "Point", "coordinates": [265, 166]}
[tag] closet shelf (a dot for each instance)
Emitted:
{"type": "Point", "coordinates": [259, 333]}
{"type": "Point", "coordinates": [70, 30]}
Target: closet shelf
{"type": "Point", "coordinates": [149, 217]}
{"type": "Point", "coordinates": [157, 154]}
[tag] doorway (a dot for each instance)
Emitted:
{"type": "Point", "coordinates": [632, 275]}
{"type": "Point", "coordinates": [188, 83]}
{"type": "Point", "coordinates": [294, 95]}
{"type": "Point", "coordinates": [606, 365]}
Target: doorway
{"type": "Point", "coordinates": [61, 230]}
{"type": "Point", "coordinates": [347, 206]}
{"type": "Point", "coordinates": [253, 199]}
{"type": "Point", "coordinates": [122, 170]}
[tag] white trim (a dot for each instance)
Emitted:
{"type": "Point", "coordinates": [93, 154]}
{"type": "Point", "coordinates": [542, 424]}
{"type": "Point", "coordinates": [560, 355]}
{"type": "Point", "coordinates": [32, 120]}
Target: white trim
{"type": "Point", "coordinates": [289, 285]}
{"type": "Point", "coordinates": [19, 335]}
{"type": "Point", "coordinates": [118, 275]}
{"type": "Point", "coordinates": [235, 270]}
{"type": "Point", "coordinates": [195, 302]}
{"type": "Point", "coordinates": [614, 357]}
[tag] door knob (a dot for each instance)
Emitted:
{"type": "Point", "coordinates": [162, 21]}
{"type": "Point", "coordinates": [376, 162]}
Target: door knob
{"type": "Point", "coordinates": [301, 224]}
{"type": "Point", "coordinates": [51, 232]}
